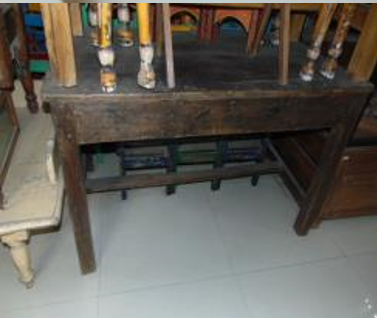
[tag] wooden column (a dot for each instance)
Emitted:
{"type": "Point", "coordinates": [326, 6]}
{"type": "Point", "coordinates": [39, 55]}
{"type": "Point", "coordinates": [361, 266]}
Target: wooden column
{"type": "Point", "coordinates": [169, 57]}
{"type": "Point", "coordinates": [364, 57]}
{"type": "Point", "coordinates": [284, 43]}
{"type": "Point", "coordinates": [58, 32]}
{"type": "Point", "coordinates": [76, 21]}
{"type": "Point", "coordinates": [159, 30]}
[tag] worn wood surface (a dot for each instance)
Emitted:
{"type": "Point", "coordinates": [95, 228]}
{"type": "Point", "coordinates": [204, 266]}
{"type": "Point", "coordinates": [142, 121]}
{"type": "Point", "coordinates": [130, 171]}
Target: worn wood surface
{"type": "Point", "coordinates": [200, 70]}
{"type": "Point", "coordinates": [74, 185]}
{"type": "Point", "coordinates": [355, 186]}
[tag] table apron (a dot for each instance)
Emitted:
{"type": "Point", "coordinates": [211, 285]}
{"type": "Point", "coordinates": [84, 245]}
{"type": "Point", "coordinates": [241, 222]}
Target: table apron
{"type": "Point", "coordinates": [165, 119]}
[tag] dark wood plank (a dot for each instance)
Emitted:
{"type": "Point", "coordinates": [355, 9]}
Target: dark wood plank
{"type": "Point", "coordinates": [218, 113]}
{"type": "Point", "coordinates": [156, 180]}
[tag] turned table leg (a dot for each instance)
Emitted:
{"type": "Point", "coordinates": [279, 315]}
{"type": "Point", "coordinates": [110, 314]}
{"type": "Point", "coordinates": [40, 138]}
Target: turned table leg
{"type": "Point", "coordinates": [74, 185]}
{"type": "Point", "coordinates": [20, 253]}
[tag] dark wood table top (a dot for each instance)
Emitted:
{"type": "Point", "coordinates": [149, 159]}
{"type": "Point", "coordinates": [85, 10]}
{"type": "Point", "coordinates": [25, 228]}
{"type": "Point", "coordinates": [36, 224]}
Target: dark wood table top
{"type": "Point", "coordinates": [200, 68]}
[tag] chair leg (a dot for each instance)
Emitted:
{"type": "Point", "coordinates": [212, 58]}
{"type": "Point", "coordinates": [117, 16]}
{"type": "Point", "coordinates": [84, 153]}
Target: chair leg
{"type": "Point", "coordinates": [20, 253]}
{"type": "Point", "coordinates": [28, 86]}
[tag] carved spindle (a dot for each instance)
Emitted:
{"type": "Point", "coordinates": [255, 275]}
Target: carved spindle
{"type": "Point", "coordinates": [125, 36]}
{"type": "Point", "coordinates": [146, 77]}
{"type": "Point", "coordinates": [330, 64]}
{"type": "Point", "coordinates": [320, 30]}
{"type": "Point", "coordinates": [93, 22]}
{"type": "Point", "coordinates": [106, 53]}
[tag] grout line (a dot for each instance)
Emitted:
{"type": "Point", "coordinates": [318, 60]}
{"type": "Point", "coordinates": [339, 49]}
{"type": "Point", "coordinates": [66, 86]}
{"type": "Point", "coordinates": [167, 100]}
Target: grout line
{"type": "Point", "coordinates": [362, 253]}
{"type": "Point", "coordinates": [235, 275]}
{"type": "Point", "coordinates": [167, 285]}
{"type": "Point", "coordinates": [219, 233]}
{"type": "Point", "coordinates": [286, 266]}
{"type": "Point", "coordinates": [49, 304]}
{"type": "Point", "coordinates": [216, 222]}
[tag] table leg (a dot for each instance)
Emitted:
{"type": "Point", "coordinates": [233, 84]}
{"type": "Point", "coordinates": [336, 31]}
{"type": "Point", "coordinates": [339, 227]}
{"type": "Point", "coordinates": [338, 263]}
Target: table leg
{"type": "Point", "coordinates": [20, 253]}
{"type": "Point", "coordinates": [74, 186]}
{"type": "Point", "coordinates": [310, 213]}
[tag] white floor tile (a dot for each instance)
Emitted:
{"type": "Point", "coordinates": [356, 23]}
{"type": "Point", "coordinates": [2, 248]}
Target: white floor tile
{"type": "Point", "coordinates": [328, 290]}
{"type": "Point", "coordinates": [58, 276]}
{"type": "Point", "coordinates": [256, 224]}
{"type": "Point", "coordinates": [212, 298]}
{"type": "Point", "coordinates": [153, 239]}
{"type": "Point", "coordinates": [365, 267]}
{"type": "Point", "coordinates": [82, 309]}
{"type": "Point", "coordinates": [354, 235]}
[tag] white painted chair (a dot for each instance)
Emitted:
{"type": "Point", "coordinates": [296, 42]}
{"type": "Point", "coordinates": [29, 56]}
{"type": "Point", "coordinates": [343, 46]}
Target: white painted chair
{"type": "Point", "coordinates": [33, 192]}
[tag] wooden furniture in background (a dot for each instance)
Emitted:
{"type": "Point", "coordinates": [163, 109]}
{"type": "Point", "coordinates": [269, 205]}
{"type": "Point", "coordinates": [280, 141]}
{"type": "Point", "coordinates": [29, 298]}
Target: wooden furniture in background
{"type": "Point", "coordinates": [60, 42]}
{"type": "Point", "coordinates": [12, 52]}
{"type": "Point", "coordinates": [13, 48]}
{"type": "Point", "coordinates": [353, 192]}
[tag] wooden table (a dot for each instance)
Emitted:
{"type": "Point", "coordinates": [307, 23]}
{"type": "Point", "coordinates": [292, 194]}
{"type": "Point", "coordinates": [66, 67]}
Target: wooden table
{"type": "Point", "coordinates": [220, 92]}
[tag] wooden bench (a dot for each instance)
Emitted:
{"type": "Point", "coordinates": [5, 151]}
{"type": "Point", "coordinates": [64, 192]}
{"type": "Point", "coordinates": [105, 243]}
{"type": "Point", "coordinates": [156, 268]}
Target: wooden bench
{"type": "Point", "coordinates": [33, 192]}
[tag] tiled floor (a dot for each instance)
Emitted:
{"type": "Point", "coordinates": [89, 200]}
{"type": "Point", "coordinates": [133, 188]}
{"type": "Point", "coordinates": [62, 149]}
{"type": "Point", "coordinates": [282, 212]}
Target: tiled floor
{"type": "Point", "coordinates": [200, 254]}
